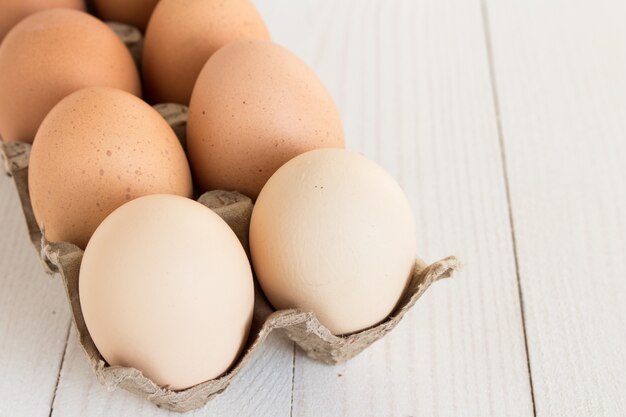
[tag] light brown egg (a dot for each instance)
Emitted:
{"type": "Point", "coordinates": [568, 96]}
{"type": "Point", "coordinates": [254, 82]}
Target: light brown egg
{"type": "Point", "coordinates": [254, 107]}
{"type": "Point", "coordinates": [183, 34]}
{"type": "Point", "coordinates": [12, 11]}
{"type": "Point", "coordinates": [132, 12]}
{"type": "Point", "coordinates": [166, 287]}
{"type": "Point", "coordinates": [51, 54]}
{"type": "Point", "coordinates": [333, 233]}
{"type": "Point", "coordinates": [97, 149]}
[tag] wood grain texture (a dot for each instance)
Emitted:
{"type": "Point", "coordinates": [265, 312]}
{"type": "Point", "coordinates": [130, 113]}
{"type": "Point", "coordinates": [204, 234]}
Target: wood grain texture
{"type": "Point", "coordinates": [421, 86]}
{"type": "Point", "coordinates": [560, 70]}
{"type": "Point", "coordinates": [412, 83]}
{"type": "Point", "coordinates": [34, 317]}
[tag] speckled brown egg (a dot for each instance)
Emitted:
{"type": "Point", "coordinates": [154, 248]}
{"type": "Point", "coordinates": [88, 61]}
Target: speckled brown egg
{"type": "Point", "coordinates": [97, 149]}
{"type": "Point", "coordinates": [131, 12]}
{"type": "Point", "coordinates": [183, 34]}
{"type": "Point", "coordinates": [51, 54]}
{"type": "Point", "coordinates": [15, 10]}
{"type": "Point", "coordinates": [254, 107]}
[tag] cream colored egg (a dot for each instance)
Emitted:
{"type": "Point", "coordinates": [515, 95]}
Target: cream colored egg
{"type": "Point", "coordinates": [97, 149]}
{"type": "Point", "coordinates": [333, 233]}
{"type": "Point", "coordinates": [12, 11]}
{"type": "Point", "coordinates": [166, 287]}
{"type": "Point", "coordinates": [51, 54]}
{"type": "Point", "coordinates": [183, 34]}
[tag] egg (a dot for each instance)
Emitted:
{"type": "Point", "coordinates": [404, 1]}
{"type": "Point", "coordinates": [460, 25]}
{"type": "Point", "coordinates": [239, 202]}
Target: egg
{"type": "Point", "coordinates": [51, 54]}
{"type": "Point", "coordinates": [183, 34]}
{"type": "Point", "coordinates": [333, 233]}
{"type": "Point", "coordinates": [166, 287]}
{"type": "Point", "coordinates": [97, 149]}
{"type": "Point", "coordinates": [15, 10]}
{"type": "Point", "coordinates": [132, 12]}
{"type": "Point", "coordinates": [254, 107]}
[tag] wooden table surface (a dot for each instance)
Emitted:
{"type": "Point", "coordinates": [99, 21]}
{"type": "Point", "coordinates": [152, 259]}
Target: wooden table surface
{"type": "Point", "coordinates": [505, 123]}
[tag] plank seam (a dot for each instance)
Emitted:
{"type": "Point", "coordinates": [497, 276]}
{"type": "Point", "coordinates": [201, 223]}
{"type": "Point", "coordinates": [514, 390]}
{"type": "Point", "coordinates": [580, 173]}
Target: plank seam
{"type": "Point", "coordinates": [505, 172]}
{"type": "Point", "coordinates": [293, 377]}
{"type": "Point", "coordinates": [56, 386]}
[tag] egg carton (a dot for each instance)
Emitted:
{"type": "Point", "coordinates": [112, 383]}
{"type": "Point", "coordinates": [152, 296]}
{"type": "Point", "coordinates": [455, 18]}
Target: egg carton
{"type": "Point", "coordinates": [302, 327]}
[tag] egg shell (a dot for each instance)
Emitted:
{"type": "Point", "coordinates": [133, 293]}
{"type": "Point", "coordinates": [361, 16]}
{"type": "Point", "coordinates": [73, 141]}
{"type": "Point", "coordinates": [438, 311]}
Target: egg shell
{"type": "Point", "coordinates": [254, 107]}
{"type": "Point", "coordinates": [333, 233]}
{"type": "Point", "coordinates": [183, 34]}
{"type": "Point", "coordinates": [132, 12]}
{"type": "Point", "coordinates": [51, 54]}
{"type": "Point", "coordinates": [97, 149]}
{"type": "Point", "coordinates": [15, 10]}
{"type": "Point", "coordinates": [166, 287]}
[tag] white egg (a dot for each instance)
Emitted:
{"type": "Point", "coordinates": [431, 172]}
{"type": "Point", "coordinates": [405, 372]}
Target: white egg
{"type": "Point", "coordinates": [166, 287]}
{"type": "Point", "coordinates": [333, 233]}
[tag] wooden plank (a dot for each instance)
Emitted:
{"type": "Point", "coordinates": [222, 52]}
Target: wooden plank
{"type": "Point", "coordinates": [412, 83]}
{"type": "Point", "coordinates": [560, 76]}
{"type": "Point", "coordinates": [34, 317]}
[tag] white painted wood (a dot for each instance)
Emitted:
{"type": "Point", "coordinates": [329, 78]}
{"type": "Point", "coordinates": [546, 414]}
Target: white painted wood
{"type": "Point", "coordinates": [34, 318]}
{"type": "Point", "coordinates": [263, 388]}
{"type": "Point", "coordinates": [560, 68]}
{"type": "Point", "coordinates": [412, 83]}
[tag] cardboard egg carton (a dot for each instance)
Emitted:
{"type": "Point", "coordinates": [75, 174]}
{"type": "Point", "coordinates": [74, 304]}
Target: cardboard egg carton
{"type": "Point", "coordinates": [300, 326]}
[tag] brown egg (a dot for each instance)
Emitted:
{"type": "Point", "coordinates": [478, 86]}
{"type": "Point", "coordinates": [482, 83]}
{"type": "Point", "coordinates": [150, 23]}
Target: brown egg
{"type": "Point", "coordinates": [15, 10]}
{"type": "Point", "coordinates": [183, 34]}
{"type": "Point", "coordinates": [254, 107]}
{"type": "Point", "coordinates": [131, 12]}
{"type": "Point", "coordinates": [51, 54]}
{"type": "Point", "coordinates": [97, 149]}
